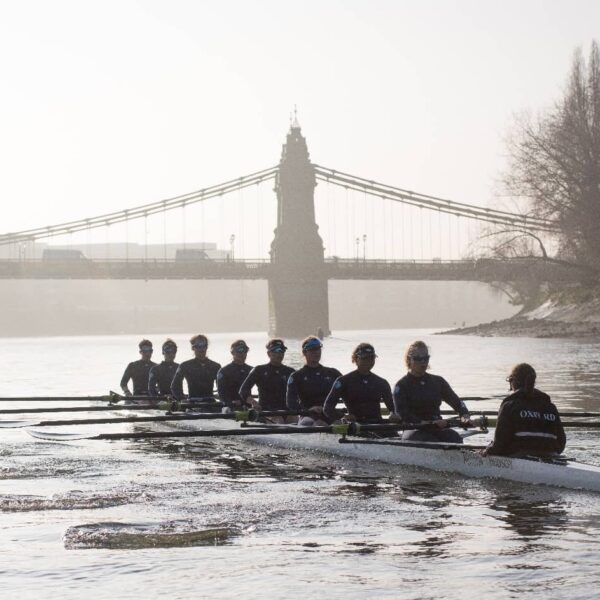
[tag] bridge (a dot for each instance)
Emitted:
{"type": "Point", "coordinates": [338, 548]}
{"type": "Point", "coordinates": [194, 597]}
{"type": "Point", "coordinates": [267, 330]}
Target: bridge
{"type": "Point", "coordinates": [482, 269]}
{"type": "Point", "coordinates": [297, 269]}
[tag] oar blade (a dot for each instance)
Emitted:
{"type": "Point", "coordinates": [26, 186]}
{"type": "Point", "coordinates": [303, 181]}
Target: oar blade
{"type": "Point", "coordinates": [17, 424]}
{"type": "Point", "coordinates": [54, 436]}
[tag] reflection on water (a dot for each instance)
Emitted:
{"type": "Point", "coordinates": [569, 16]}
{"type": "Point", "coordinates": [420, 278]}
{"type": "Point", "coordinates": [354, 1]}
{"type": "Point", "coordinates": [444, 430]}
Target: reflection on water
{"type": "Point", "coordinates": [432, 546]}
{"type": "Point", "coordinates": [532, 517]}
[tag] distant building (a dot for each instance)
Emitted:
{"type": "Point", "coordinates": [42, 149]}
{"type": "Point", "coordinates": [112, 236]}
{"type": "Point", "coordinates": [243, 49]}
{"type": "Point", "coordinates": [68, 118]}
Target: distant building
{"type": "Point", "coordinates": [63, 254]}
{"type": "Point", "coordinates": [117, 250]}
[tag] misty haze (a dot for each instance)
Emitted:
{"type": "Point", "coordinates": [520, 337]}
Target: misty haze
{"type": "Point", "coordinates": [300, 300]}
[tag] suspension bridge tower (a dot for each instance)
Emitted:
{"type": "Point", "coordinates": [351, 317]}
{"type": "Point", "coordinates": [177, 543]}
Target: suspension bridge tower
{"type": "Point", "coordinates": [298, 295]}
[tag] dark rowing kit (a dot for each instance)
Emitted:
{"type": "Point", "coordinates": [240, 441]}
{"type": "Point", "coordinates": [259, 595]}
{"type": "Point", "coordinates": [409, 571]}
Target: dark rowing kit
{"type": "Point", "coordinates": [200, 375]}
{"type": "Point", "coordinates": [271, 382]}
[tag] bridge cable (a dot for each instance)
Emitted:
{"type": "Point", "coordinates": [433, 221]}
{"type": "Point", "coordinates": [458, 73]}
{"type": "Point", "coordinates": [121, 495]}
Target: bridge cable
{"type": "Point", "coordinates": [431, 202]}
{"type": "Point", "coordinates": [138, 212]}
{"type": "Point", "coordinates": [258, 221]}
{"type": "Point", "coordinates": [164, 220]}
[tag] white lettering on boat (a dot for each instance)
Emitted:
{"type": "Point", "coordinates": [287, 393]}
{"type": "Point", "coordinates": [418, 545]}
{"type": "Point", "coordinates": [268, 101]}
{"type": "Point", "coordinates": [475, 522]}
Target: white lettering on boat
{"type": "Point", "coordinates": [472, 458]}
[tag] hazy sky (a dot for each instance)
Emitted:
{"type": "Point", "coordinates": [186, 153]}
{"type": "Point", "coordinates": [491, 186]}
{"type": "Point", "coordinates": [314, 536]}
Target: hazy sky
{"type": "Point", "coordinates": [107, 105]}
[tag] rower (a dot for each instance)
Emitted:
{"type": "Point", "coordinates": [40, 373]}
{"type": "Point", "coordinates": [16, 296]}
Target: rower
{"type": "Point", "coordinates": [231, 376]}
{"type": "Point", "coordinates": [270, 379]}
{"type": "Point", "coordinates": [528, 422]}
{"type": "Point", "coordinates": [199, 372]}
{"type": "Point", "coordinates": [361, 390]}
{"type": "Point", "coordinates": [161, 375]}
{"type": "Point", "coordinates": [418, 397]}
{"type": "Point", "coordinates": [308, 387]}
{"type": "Point", "coordinates": [139, 371]}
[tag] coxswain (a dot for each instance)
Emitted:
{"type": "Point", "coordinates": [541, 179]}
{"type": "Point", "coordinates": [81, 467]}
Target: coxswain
{"type": "Point", "coordinates": [418, 397]}
{"type": "Point", "coordinates": [231, 376]}
{"type": "Point", "coordinates": [162, 375]}
{"type": "Point", "coordinates": [199, 372]}
{"type": "Point", "coordinates": [270, 379]}
{"type": "Point", "coordinates": [308, 387]}
{"type": "Point", "coordinates": [528, 422]}
{"type": "Point", "coordinates": [361, 390]}
{"type": "Point", "coordinates": [139, 371]}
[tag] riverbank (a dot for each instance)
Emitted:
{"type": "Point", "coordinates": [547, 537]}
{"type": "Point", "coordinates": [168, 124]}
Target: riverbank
{"type": "Point", "coordinates": [573, 313]}
{"type": "Point", "coordinates": [536, 328]}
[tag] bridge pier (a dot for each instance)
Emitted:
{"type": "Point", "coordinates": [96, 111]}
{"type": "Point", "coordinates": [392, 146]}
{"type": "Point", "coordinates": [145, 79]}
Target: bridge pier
{"type": "Point", "coordinates": [298, 307]}
{"type": "Point", "coordinates": [298, 289]}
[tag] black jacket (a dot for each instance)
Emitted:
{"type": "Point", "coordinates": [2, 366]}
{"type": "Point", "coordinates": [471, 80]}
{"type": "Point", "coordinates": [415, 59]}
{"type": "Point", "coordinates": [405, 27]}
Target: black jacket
{"type": "Point", "coordinates": [271, 382]}
{"type": "Point", "coordinates": [309, 386]}
{"type": "Point", "coordinates": [528, 424]}
{"type": "Point", "coordinates": [161, 377]}
{"type": "Point", "coordinates": [139, 372]}
{"type": "Point", "coordinates": [362, 395]}
{"type": "Point", "coordinates": [229, 380]}
{"type": "Point", "coordinates": [419, 398]}
{"type": "Point", "coordinates": [200, 376]}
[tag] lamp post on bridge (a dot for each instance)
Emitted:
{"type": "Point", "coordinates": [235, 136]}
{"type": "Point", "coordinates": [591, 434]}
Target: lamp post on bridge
{"type": "Point", "coordinates": [232, 247]}
{"type": "Point", "coordinates": [364, 247]}
{"type": "Point", "coordinates": [357, 245]}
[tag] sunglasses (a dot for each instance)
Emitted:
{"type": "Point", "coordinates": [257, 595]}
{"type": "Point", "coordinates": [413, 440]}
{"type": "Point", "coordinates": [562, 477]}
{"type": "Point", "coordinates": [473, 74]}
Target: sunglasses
{"type": "Point", "coordinates": [313, 347]}
{"type": "Point", "coordinates": [200, 346]}
{"type": "Point", "coordinates": [418, 358]}
{"type": "Point", "coordinates": [146, 349]}
{"type": "Point", "coordinates": [240, 350]}
{"type": "Point", "coordinates": [278, 350]}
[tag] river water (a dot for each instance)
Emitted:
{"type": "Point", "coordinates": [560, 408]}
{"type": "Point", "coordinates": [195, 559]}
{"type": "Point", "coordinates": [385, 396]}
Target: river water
{"type": "Point", "coordinates": [226, 518]}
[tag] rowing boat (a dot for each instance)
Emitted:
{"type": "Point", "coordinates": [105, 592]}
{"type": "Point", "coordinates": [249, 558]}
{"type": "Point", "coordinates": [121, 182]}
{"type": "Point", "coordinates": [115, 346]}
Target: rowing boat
{"type": "Point", "coordinates": [444, 457]}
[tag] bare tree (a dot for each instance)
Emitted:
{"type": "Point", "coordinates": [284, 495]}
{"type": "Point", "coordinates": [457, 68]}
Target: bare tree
{"type": "Point", "coordinates": [555, 165]}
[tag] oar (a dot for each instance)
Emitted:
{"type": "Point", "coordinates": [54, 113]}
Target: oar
{"type": "Point", "coordinates": [250, 415]}
{"type": "Point", "coordinates": [434, 445]}
{"type": "Point", "coordinates": [338, 429]}
{"type": "Point", "coordinates": [573, 424]}
{"type": "Point", "coordinates": [105, 398]}
{"type": "Point", "coordinates": [110, 397]}
{"type": "Point", "coordinates": [59, 409]}
{"type": "Point", "coordinates": [478, 398]}
{"type": "Point", "coordinates": [493, 413]}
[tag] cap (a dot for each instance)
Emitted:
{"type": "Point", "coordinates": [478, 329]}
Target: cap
{"type": "Point", "coordinates": [169, 346]}
{"type": "Point", "coordinates": [239, 346]}
{"type": "Point", "coordinates": [276, 345]}
{"type": "Point", "coordinates": [311, 344]}
{"type": "Point", "coordinates": [365, 351]}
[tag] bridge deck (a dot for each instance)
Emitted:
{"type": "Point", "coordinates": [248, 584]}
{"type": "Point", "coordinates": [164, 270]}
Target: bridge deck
{"type": "Point", "coordinates": [458, 270]}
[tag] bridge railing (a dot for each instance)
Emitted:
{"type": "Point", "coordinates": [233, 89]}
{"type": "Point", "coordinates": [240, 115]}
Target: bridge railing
{"type": "Point", "coordinates": [479, 269]}
{"type": "Point", "coordinates": [121, 268]}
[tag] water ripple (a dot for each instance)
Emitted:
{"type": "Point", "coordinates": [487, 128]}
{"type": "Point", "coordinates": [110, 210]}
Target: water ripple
{"type": "Point", "coordinates": [71, 501]}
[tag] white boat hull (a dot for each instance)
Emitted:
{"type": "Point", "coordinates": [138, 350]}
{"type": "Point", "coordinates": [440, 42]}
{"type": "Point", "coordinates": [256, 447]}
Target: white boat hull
{"type": "Point", "coordinates": [461, 460]}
